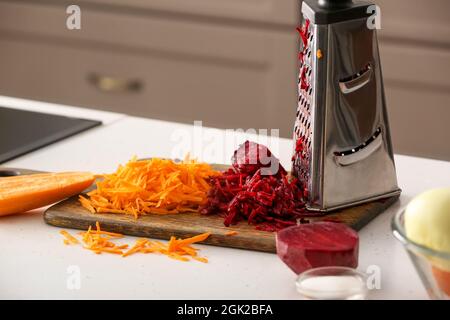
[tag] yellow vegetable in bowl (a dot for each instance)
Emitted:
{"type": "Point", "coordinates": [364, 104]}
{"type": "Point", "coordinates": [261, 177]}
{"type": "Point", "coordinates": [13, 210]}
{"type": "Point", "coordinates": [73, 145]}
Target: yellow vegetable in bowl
{"type": "Point", "coordinates": [427, 222]}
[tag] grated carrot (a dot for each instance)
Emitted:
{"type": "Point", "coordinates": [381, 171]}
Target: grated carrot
{"type": "Point", "coordinates": [231, 233]}
{"type": "Point", "coordinates": [204, 260]}
{"type": "Point", "coordinates": [99, 241]}
{"type": "Point", "coordinates": [176, 248]}
{"type": "Point", "coordinates": [69, 239]}
{"type": "Point", "coordinates": [188, 241]}
{"type": "Point", "coordinates": [136, 247]}
{"type": "Point", "coordinates": [156, 186]}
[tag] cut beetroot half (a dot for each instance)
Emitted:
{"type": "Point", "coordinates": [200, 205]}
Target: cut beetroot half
{"type": "Point", "coordinates": [251, 156]}
{"type": "Point", "coordinates": [318, 244]}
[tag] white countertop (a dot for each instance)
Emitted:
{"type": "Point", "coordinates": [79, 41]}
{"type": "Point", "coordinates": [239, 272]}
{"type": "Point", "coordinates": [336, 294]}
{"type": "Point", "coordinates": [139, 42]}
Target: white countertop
{"type": "Point", "coordinates": [34, 260]}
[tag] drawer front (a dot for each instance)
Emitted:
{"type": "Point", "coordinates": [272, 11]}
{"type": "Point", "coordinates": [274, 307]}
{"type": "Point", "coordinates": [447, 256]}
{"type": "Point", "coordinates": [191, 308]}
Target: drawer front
{"type": "Point", "coordinates": [425, 68]}
{"type": "Point", "coordinates": [417, 21]}
{"type": "Point", "coordinates": [227, 94]}
{"type": "Point", "coordinates": [130, 22]}
{"type": "Point", "coordinates": [418, 98]}
{"type": "Point", "coordinates": [419, 121]}
{"type": "Point", "coordinates": [284, 12]}
{"type": "Point", "coordinates": [138, 32]}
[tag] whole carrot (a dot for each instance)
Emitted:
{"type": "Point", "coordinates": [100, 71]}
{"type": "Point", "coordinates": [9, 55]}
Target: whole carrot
{"type": "Point", "coordinates": [23, 193]}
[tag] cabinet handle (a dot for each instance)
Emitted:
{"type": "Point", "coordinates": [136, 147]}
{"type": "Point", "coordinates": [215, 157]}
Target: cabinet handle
{"type": "Point", "coordinates": [111, 84]}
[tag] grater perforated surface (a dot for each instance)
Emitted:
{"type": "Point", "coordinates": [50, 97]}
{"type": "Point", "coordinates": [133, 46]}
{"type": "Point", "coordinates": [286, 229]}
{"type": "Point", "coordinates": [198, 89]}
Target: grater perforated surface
{"type": "Point", "coordinates": [303, 130]}
{"type": "Point", "coordinates": [343, 154]}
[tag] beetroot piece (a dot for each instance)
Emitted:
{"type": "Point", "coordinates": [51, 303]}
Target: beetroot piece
{"type": "Point", "coordinates": [270, 201]}
{"type": "Point", "coordinates": [318, 244]}
{"type": "Point", "coordinates": [251, 156]}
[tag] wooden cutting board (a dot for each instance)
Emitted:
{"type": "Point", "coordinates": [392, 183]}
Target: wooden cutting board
{"type": "Point", "coordinates": [70, 214]}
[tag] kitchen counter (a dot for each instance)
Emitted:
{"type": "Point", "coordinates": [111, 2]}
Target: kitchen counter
{"type": "Point", "coordinates": [36, 263]}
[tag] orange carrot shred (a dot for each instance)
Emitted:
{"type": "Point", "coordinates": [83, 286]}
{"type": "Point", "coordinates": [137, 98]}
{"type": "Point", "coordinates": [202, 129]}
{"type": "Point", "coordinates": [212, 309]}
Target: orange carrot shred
{"type": "Point", "coordinates": [231, 233]}
{"type": "Point", "coordinates": [69, 239]}
{"type": "Point", "coordinates": [156, 186]}
{"type": "Point", "coordinates": [199, 238]}
{"type": "Point", "coordinates": [204, 260]}
{"type": "Point", "coordinates": [176, 249]}
{"type": "Point", "coordinates": [99, 241]}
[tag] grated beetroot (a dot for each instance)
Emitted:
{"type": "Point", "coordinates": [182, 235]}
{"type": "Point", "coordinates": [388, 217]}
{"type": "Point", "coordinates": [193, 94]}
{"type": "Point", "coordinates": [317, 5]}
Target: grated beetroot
{"type": "Point", "coordinates": [246, 192]}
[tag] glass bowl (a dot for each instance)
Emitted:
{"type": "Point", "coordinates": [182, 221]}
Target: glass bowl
{"type": "Point", "coordinates": [332, 283]}
{"type": "Point", "coordinates": [432, 266]}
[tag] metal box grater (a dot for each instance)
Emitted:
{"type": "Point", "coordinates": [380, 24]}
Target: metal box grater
{"type": "Point", "coordinates": [343, 153]}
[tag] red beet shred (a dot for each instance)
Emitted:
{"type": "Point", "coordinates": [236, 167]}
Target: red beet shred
{"type": "Point", "coordinates": [257, 190]}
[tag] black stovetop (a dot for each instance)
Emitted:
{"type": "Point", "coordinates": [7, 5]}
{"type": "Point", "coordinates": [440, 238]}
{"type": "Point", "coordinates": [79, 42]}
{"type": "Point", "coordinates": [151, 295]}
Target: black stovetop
{"type": "Point", "coordinates": [24, 131]}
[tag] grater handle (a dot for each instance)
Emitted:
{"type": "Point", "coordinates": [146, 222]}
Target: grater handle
{"type": "Point", "coordinates": [362, 153]}
{"type": "Point", "coordinates": [333, 11]}
{"type": "Point", "coordinates": [357, 83]}
{"type": "Point", "coordinates": [332, 4]}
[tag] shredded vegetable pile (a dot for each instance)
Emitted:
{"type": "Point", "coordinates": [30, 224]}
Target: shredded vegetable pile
{"type": "Point", "coordinates": [157, 186]}
{"type": "Point", "coordinates": [267, 199]}
{"type": "Point", "coordinates": [99, 241]}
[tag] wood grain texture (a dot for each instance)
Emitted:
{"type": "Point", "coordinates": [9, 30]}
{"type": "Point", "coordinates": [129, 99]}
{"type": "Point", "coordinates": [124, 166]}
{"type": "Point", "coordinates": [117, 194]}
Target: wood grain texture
{"type": "Point", "coordinates": [70, 214]}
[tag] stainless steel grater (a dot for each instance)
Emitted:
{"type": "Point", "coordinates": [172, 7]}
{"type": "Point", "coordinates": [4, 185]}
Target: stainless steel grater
{"type": "Point", "coordinates": [343, 153]}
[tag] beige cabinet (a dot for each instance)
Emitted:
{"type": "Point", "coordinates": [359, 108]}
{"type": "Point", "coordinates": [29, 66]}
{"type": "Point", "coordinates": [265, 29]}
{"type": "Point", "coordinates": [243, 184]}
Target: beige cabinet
{"type": "Point", "coordinates": [231, 64]}
{"type": "Point", "coordinates": [184, 70]}
{"type": "Point", "coordinates": [415, 49]}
